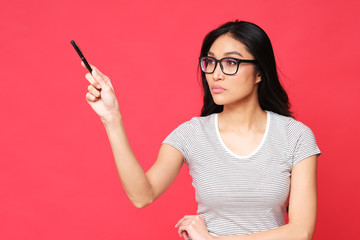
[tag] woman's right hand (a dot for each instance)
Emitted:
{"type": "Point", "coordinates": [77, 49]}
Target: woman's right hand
{"type": "Point", "coordinates": [101, 95]}
{"type": "Point", "coordinates": [142, 188]}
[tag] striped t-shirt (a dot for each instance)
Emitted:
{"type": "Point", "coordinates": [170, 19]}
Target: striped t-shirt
{"type": "Point", "coordinates": [242, 194]}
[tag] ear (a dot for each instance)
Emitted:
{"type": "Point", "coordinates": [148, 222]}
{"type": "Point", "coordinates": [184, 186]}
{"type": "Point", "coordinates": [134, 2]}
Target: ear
{"type": "Point", "coordinates": [258, 77]}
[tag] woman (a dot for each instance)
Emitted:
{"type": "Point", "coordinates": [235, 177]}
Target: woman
{"type": "Point", "coordinates": [249, 159]}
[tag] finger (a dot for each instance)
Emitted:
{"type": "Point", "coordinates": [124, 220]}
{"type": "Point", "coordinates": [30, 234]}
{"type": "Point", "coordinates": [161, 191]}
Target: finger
{"type": "Point", "coordinates": [182, 220]}
{"type": "Point", "coordinates": [94, 91]}
{"type": "Point", "coordinates": [92, 80]}
{"type": "Point", "coordinates": [90, 97]}
{"type": "Point", "coordinates": [97, 70]}
{"type": "Point", "coordinates": [92, 66]}
{"type": "Point", "coordinates": [107, 80]}
{"type": "Point", "coordinates": [97, 73]}
{"type": "Point", "coordinates": [100, 79]}
{"type": "Point", "coordinates": [184, 225]}
{"type": "Point", "coordinates": [183, 232]}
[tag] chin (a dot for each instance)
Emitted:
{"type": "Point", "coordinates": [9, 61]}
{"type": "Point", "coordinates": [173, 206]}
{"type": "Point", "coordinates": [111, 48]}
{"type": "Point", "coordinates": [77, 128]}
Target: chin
{"type": "Point", "coordinates": [220, 102]}
{"type": "Point", "coordinates": [221, 99]}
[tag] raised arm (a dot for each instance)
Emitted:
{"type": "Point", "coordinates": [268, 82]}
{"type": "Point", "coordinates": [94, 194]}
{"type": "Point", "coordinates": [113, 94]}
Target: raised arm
{"type": "Point", "coordinates": [142, 188]}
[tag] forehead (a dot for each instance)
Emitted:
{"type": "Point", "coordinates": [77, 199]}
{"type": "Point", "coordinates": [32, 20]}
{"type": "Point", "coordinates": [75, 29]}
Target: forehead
{"type": "Point", "coordinates": [227, 44]}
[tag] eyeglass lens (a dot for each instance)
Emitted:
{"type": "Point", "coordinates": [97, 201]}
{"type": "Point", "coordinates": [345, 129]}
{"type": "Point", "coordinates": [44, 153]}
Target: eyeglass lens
{"type": "Point", "coordinates": [228, 65]}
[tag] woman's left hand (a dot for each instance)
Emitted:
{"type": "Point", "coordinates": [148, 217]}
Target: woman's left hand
{"type": "Point", "coordinates": [193, 226]}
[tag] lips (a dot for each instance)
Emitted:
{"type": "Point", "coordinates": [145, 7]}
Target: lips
{"type": "Point", "coordinates": [217, 89]}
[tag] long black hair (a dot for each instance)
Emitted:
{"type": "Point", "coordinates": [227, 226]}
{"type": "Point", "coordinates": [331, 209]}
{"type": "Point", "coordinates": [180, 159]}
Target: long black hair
{"type": "Point", "coordinates": [271, 94]}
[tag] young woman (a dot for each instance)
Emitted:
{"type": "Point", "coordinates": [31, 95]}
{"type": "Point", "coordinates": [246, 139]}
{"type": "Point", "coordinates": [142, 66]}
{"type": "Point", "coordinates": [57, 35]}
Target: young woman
{"type": "Point", "coordinates": [249, 159]}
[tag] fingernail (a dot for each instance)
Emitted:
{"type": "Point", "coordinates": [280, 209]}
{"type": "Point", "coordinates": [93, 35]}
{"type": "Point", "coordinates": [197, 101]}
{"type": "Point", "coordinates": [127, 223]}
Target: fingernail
{"type": "Point", "coordinates": [98, 86]}
{"type": "Point", "coordinates": [94, 73]}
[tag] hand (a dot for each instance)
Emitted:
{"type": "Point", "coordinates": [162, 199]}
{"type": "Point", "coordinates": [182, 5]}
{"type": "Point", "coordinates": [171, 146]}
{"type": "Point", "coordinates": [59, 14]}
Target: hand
{"type": "Point", "coordinates": [101, 95]}
{"type": "Point", "coordinates": [193, 226]}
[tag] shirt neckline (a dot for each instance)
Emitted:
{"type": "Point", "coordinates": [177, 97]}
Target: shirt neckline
{"type": "Point", "coordinates": [256, 149]}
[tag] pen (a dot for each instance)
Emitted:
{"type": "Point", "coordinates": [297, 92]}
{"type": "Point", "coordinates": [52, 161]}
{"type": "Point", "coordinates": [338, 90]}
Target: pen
{"type": "Point", "coordinates": [81, 55]}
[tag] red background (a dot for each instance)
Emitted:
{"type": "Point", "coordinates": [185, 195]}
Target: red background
{"type": "Point", "coordinates": [57, 175]}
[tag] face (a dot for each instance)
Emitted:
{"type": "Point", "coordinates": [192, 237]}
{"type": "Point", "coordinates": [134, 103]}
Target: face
{"type": "Point", "coordinates": [232, 89]}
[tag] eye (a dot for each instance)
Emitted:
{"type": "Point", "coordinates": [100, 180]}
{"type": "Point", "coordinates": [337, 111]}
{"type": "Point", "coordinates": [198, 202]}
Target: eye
{"type": "Point", "coordinates": [209, 61]}
{"type": "Point", "coordinates": [230, 62]}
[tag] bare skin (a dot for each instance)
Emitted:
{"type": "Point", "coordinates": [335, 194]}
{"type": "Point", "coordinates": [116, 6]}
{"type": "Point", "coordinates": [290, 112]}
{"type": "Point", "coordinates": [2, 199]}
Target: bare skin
{"type": "Point", "coordinates": [242, 121]}
{"type": "Point", "coordinates": [142, 188]}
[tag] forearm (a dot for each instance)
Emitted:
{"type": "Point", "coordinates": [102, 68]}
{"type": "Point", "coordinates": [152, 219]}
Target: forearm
{"type": "Point", "coordinates": [285, 232]}
{"type": "Point", "coordinates": [133, 177]}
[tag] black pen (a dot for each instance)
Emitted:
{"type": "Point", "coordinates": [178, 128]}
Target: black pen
{"type": "Point", "coordinates": [81, 55]}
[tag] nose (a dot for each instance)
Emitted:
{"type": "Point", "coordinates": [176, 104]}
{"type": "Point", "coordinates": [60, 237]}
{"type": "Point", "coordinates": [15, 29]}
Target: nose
{"type": "Point", "coordinates": [218, 74]}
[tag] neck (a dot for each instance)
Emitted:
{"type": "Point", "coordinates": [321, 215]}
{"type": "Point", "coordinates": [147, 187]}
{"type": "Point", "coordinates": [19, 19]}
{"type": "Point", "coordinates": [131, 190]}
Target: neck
{"type": "Point", "coordinates": [243, 117]}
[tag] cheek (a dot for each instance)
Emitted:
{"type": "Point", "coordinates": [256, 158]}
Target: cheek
{"type": "Point", "coordinates": [208, 78]}
{"type": "Point", "coordinates": [247, 71]}
{"type": "Point", "coordinates": [242, 85]}
{"type": "Point", "coordinates": [247, 77]}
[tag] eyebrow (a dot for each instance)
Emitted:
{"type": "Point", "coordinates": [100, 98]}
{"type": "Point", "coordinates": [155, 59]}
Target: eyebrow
{"type": "Point", "coordinates": [227, 53]}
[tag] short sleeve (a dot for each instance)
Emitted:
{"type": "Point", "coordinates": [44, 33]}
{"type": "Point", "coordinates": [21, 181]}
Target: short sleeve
{"type": "Point", "coordinates": [305, 145]}
{"type": "Point", "coordinates": [181, 138]}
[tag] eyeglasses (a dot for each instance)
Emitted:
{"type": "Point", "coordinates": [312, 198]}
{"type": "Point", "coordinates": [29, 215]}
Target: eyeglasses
{"type": "Point", "coordinates": [228, 65]}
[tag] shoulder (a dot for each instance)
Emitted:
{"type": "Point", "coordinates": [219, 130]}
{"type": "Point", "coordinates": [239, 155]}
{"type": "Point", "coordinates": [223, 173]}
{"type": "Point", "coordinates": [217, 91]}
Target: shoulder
{"type": "Point", "coordinates": [189, 133]}
{"type": "Point", "coordinates": [197, 123]}
{"type": "Point", "coordinates": [289, 124]}
{"type": "Point", "coordinates": [192, 129]}
{"type": "Point", "coordinates": [300, 139]}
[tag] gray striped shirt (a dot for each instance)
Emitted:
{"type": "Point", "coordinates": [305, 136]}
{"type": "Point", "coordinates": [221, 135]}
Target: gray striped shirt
{"type": "Point", "coordinates": [242, 194]}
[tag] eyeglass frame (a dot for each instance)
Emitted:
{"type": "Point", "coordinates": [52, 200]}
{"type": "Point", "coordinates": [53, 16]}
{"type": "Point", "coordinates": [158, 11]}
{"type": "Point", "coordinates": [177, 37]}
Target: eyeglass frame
{"type": "Point", "coordinates": [238, 61]}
